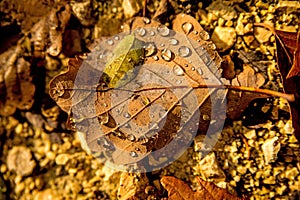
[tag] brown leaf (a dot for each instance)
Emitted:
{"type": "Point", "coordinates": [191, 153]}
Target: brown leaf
{"type": "Point", "coordinates": [237, 102]}
{"type": "Point", "coordinates": [130, 121]}
{"type": "Point", "coordinates": [16, 87]}
{"type": "Point", "coordinates": [47, 34]}
{"type": "Point", "coordinates": [288, 53]}
{"type": "Point", "coordinates": [179, 190]}
{"type": "Point", "coordinates": [162, 10]}
{"type": "Point", "coordinates": [132, 186]}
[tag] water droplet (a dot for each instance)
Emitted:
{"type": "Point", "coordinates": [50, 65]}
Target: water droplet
{"type": "Point", "coordinates": [126, 115]}
{"type": "Point", "coordinates": [204, 35]}
{"type": "Point", "coordinates": [103, 118]}
{"type": "Point", "coordinates": [117, 110]}
{"type": "Point", "coordinates": [205, 117]}
{"type": "Point", "coordinates": [212, 46]}
{"type": "Point", "coordinates": [117, 37]}
{"type": "Point", "coordinates": [146, 20]}
{"type": "Point", "coordinates": [187, 27]}
{"type": "Point", "coordinates": [141, 31]}
{"type": "Point", "coordinates": [131, 137]}
{"type": "Point", "coordinates": [105, 143]}
{"type": "Point", "coordinates": [110, 42]}
{"type": "Point", "coordinates": [200, 71]}
{"type": "Point", "coordinates": [143, 139]}
{"type": "Point", "coordinates": [99, 141]}
{"type": "Point", "coordinates": [178, 70]}
{"type": "Point", "coordinates": [150, 49]}
{"type": "Point", "coordinates": [133, 154]}
{"type": "Point", "coordinates": [178, 82]}
{"type": "Point", "coordinates": [60, 89]}
{"type": "Point", "coordinates": [152, 33]}
{"type": "Point", "coordinates": [105, 105]}
{"type": "Point", "coordinates": [167, 55]}
{"type": "Point", "coordinates": [193, 69]}
{"type": "Point", "coordinates": [184, 51]}
{"type": "Point", "coordinates": [173, 41]}
{"type": "Point", "coordinates": [186, 65]}
{"type": "Point", "coordinates": [195, 32]}
{"type": "Point", "coordinates": [163, 30]}
{"type": "Point", "coordinates": [155, 58]}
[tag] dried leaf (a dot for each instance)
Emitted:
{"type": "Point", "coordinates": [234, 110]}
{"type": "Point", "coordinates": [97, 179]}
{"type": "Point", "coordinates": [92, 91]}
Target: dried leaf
{"type": "Point", "coordinates": [151, 115]}
{"type": "Point", "coordinates": [179, 190]}
{"type": "Point", "coordinates": [16, 87]}
{"type": "Point", "coordinates": [132, 186]}
{"type": "Point", "coordinates": [288, 45]}
{"type": "Point", "coordinates": [162, 10]}
{"type": "Point", "coordinates": [47, 34]}
{"type": "Point", "coordinates": [239, 101]}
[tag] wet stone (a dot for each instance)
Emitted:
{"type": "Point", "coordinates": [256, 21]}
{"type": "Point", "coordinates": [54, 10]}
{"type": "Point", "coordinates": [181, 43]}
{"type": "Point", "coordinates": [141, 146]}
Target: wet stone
{"type": "Point", "coordinates": [224, 38]}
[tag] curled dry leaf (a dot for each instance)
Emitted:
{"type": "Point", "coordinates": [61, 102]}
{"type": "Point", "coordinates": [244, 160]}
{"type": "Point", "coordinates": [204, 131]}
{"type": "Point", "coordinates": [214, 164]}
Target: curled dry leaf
{"type": "Point", "coordinates": [16, 87]}
{"type": "Point", "coordinates": [47, 34]}
{"type": "Point", "coordinates": [132, 186]}
{"type": "Point", "coordinates": [239, 101]}
{"type": "Point", "coordinates": [179, 190]}
{"type": "Point", "coordinates": [288, 58]}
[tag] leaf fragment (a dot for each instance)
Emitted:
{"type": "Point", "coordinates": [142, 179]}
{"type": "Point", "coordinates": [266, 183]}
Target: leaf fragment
{"type": "Point", "coordinates": [179, 190]}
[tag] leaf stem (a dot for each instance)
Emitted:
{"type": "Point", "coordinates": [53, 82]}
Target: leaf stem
{"type": "Point", "coordinates": [288, 97]}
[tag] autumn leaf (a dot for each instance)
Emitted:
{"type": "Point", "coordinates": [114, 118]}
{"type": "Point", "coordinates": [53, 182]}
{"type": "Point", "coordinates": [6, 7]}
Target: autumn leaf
{"type": "Point", "coordinates": [159, 103]}
{"type": "Point", "coordinates": [239, 101]}
{"type": "Point", "coordinates": [16, 87]}
{"type": "Point", "coordinates": [288, 53]}
{"type": "Point", "coordinates": [147, 92]}
{"type": "Point", "coordinates": [179, 190]}
{"type": "Point", "coordinates": [288, 58]}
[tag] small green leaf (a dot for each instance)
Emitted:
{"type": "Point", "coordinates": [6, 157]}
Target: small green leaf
{"type": "Point", "coordinates": [127, 55]}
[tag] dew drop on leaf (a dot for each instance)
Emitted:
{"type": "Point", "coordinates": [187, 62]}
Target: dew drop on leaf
{"type": "Point", "coordinates": [131, 137]}
{"type": "Point", "coordinates": [141, 31]}
{"type": "Point", "coordinates": [184, 51]}
{"type": "Point", "coordinates": [167, 55]}
{"type": "Point", "coordinates": [212, 46]}
{"type": "Point", "coordinates": [127, 115]}
{"type": "Point", "coordinates": [133, 154]}
{"type": "Point", "coordinates": [152, 33]}
{"type": "Point", "coordinates": [110, 42]}
{"type": "Point", "coordinates": [200, 71]}
{"type": "Point", "coordinates": [163, 30]}
{"type": "Point", "coordinates": [205, 117]}
{"type": "Point", "coordinates": [204, 35]}
{"type": "Point", "coordinates": [178, 70]}
{"type": "Point", "coordinates": [155, 58]}
{"type": "Point", "coordinates": [146, 20]}
{"type": "Point", "coordinates": [187, 27]}
{"type": "Point", "coordinates": [173, 41]}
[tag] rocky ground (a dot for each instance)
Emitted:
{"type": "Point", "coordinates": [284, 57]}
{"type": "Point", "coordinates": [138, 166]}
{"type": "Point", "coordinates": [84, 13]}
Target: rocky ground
{"type": "Point", "coordinates": [256, 155]}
